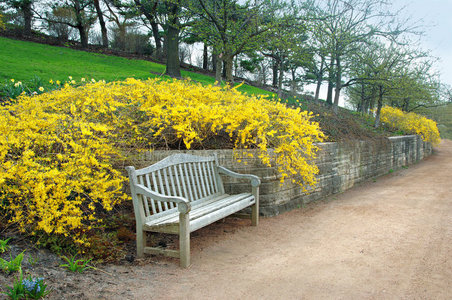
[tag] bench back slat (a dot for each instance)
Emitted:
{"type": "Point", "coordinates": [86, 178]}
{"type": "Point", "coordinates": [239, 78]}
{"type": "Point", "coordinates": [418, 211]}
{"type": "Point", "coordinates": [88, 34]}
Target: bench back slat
{"type": "Point", "coordinates": [198, 184]}
{"type": "Point", "coordinates": [173, 187]}
{"type": "Point", "coordinates": [180, 183]}
{"type": "Point", "coordinates": [211, 171]}
{"type": "Point", "coordinates": [155, 188]}
{"type": "Point", "coordinates": [186, 178]}
{"type": "Point", "coordinates": [206, 178]}
{"type": "Point", "coordinates": [150, 200]}
{"type": "Point", "coordinates": [162, 189]}
{"type": "Point", "coordinates": [180, 189]}
{"type": "Point", "coordinates": [192, 177]}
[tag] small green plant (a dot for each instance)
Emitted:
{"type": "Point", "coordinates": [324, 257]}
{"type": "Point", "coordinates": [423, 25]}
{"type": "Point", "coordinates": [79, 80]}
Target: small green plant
{"type": "Point", "coordinates": [29, 288]}
{"type": "Point", "coordinates": [391, 171]}
{"type": "Point", "coordinates": [32, 260]}
{"type": "Point", "coordinates": [4, 245]}
{"type": "Point", "coordinates": [35, 288]}
{"type": "Point", "coordinates": [79, 265]}
{"type": "Point", "coordinates": [17, 291]}
{"type": "Point", "coordinates": [13, 265]}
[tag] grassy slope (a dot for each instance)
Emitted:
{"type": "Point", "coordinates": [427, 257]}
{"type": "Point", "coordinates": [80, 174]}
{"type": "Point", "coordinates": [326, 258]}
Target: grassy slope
{"type": "Point", "coordinates": [25, 60]}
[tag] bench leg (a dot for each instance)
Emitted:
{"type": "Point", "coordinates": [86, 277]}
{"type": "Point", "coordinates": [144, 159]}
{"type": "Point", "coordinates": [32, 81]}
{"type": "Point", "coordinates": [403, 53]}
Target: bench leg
{"type": "Point", "coordinates": [141, 242]}
{"type": "Point", "coordinates": [255, 214]}
{"type": "Point", "coordinates": [255, 207]}
{"type": "Point", "coordinates": [184, 240]}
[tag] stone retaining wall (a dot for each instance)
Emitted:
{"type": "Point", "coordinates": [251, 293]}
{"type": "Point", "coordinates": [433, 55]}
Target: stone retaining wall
{"type": "Point", "coordinates": [341, 166]}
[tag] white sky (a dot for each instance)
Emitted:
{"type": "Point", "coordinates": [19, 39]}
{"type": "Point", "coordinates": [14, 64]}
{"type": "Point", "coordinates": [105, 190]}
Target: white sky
{"type": "Point", "coordinates": [436, 20]}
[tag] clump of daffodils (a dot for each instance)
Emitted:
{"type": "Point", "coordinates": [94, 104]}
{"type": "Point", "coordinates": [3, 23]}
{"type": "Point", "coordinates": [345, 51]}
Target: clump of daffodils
{"type": "Point", "coordinates": [58, 149]}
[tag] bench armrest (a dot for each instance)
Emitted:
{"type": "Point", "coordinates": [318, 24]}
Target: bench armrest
{"type": "Point", "coordinates": [183, 205]}
{"type": "Point", "coordinates": [255, 181]}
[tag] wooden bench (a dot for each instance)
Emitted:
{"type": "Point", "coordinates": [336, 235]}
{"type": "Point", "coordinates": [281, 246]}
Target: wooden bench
{"type": "Point", "coordinates": [183, 193]}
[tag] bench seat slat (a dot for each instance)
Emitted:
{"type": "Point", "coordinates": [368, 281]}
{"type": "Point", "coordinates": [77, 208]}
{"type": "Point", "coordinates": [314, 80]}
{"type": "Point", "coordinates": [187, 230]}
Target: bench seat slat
{"type": "Point", "coordinates": [219, 214]}
{"type": "Point", "coordinates": [205, 207]}
{"type": "Point", "coordinates": [171, 213]}
{"type": "Point", "coordinates": [205, 212]}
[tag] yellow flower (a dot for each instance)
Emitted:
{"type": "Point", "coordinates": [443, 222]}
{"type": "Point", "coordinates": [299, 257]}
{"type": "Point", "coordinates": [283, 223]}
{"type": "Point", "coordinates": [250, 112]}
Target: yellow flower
{"type": "Point", "coordinates": [70, 77]}
{"type": "Point", "coordinates": [51, 81]}
{"type": "Point", "coordinates": [41, 89]}
{"type": "Point", "coordinates": [73, 81]}
{"type": "Point", "coordinates": [93, 80]}
{"type": "Point", "coordinates": [83, 79]}
{"type": "Point", "coordinates": [12, 80]}
{"type": "Point", "coordinates": [17, 84]}
{"type": "Point", "coordinates": [58, 82]}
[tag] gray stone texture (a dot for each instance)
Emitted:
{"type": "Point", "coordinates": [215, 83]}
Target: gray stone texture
{"type": "Point", "coordinates": [341, 166]}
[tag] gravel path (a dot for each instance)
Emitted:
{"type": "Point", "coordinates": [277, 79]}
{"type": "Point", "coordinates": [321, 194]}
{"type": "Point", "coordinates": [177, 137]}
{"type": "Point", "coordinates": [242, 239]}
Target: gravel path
{"type": "Point", "coordinates": [386, 239]}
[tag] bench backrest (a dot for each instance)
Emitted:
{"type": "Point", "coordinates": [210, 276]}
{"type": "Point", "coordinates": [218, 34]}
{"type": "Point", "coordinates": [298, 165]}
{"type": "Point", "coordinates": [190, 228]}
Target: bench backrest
{"type": "Point", "coordinates": [192, 177]}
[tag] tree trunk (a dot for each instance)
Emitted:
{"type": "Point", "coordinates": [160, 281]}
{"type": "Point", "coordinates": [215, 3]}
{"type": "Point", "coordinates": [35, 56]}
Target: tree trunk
{"type": "Point", "coordinates": [80, 25]}
{"type": "Point", "coordinates": [224, 68]}
{"type": "Point", "coordinates": [205, 57]}
{"type": "Point", "coordinates": [214, 59]}
{"type": "Point", "coordinates": [372, 100]}
{"type": "Point", "coordinates": [28, 16]}
{"type": "Point", "coordinates": [228, 60]}
{"type": "Point", "coordinates": [218, 69]}
{"type": "Point", "coordinates": [172, 57]}
{"type": "Point", "coordinates": [172, 41]}
{"type": "Point", "coordinates": [157, 40]}
{"type": "Point", "coordinates": [149, 13]}
{"type": "Point", "coordinates": [293, 85]}
{"type": "Point", "coordinates": [103, 27]}
{"type": "Point", "coordinates": [338, 83]}
{"type": "Point", "coordinates": [122, 36]}
{"type": "Point", "coordinates": [406, 104]}
{"type": "Point", "coordinates": [329, 96]}
{"type": "Point", "coordinates": [280, 78]}
{"type": "Point", "coordinates": [363, 105]}
{"type": "Point", "coordinates": [379, 106]}
{"type": "Point", "coordinates": [83, 37]}
{"type": "Point", "coordinates": [319, 81]}
{"type": "Point", "coordinates": [275, 73]}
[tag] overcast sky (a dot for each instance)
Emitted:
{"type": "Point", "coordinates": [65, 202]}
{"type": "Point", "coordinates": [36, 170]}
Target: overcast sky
{"type": "Point", "coordinates": [436, 17]}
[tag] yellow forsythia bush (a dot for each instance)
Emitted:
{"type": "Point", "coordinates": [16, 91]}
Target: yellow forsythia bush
{"type": "Point", "coordinates": [2, 24]}
{"type": "Point", "coordinates": [58, 149]}
{"type": "Point", "coordinates": [411, 122]}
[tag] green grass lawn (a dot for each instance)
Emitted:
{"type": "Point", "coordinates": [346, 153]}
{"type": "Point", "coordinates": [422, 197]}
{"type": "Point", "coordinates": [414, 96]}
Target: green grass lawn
{"type": "Point", "coordinates": [24, 61]}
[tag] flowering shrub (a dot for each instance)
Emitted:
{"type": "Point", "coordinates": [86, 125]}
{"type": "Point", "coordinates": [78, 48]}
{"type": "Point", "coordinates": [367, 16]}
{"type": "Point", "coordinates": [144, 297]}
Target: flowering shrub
{"type": "Point", "coordinates": [411, 122]}
{"type": "Point", "coordinates": [58, 149]}
{"type": "Point", "coordinates": [2, 23]}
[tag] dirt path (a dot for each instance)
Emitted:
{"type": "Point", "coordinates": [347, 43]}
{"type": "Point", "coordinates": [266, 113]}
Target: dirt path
{"type": "Point", "coordinates": [388, 239]}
